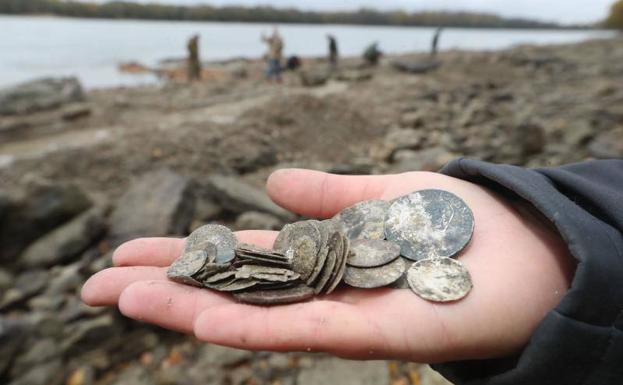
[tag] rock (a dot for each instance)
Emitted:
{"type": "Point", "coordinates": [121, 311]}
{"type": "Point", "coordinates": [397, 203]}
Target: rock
{"type": "Point", "coordinates": [75, 309]}
{"type": "Point", "coordinates": [87, 335]}
{"type": "Point", "coordinates": [430, 159]}
{"type": "Point", "coordinates": [39, 95]}
{"type": "Point", "coordinates": [39, 209]}
{"type": "Point", "coordinates": [222, 356]}
{"type": "Point", "coordinates": [39, 352]}
{"type": "Point", "coordinates": [206, 209]}
{"type": "Point", "coordinates": [6, 281]}
{"type": "Point", "coordinates": [358, 166]}
{"type": "Point", "coordinates": [238, 197]}
{"type": "Point", "coordinates": [46, 303]}
{"type": "Point", "coordinates": [75, 111]}
{"type": "Point", "coordinates": [158, 203]}
{"type": "Point", "coordinates": [313, 78]}
{"type": "Point", "coordinates": [12, 334]}
{"type": "Point", "coordinates": [255, 220]}
{"type": "Point", "coordinates": [27, 285]}
{"type": "Point", "coordinates": [344, 372]}
{"type": "Point", "coordinates": [530, 137]}
{"type": "Point", "coordinates": [607, 144]}
{"type": "Point", "coordinates": [354, 75]}
{"type": "Point", "coordinates": [66, 242]}
{"type": "Point", "coordinates": [413, 119]}
{"type": "Point", "coordinates": [134, 375]}
{"type": "Point", "coordinates": [401, 139]}
{"type": "Point", "coordinates": [64, 279]}
{"type": "Point", "coordinates": [48, 373]}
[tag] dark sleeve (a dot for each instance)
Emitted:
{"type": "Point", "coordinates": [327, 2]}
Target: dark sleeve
{"type": "Point", "coordinates": [581, 340]}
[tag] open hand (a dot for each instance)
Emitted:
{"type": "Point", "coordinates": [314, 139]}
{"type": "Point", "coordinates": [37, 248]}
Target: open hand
{"type": "Point", "coordinates": [519, 266]}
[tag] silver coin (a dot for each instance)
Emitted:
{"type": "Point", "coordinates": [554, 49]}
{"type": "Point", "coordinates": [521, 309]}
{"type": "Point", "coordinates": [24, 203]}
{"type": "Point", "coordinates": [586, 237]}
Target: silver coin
{"type": "Point", "coordinates": [439, 279]}
{"type": "Point", "coordinates": [221, 236]}
{"type": "Point", "coordinates": [266, 273]}
{"type": "Point", "coordinates": [238, 285]}
{"type": "Point", "coordinates": [276, 297]}
{"type": "Point", "coordinates": [294, 231]}
{"type": "Point", "coordinates": [364, 220]}
{"type": "Point", "coordinates": [372, 277]}
{"type": "Point", "coordinates": [372, 252]}
{"type": "Point", "coordinates": [321, 258]}
{"type": "Point", "coordinates": [187, 266]}
{"type": "Point", "coordinates": [305, 252]}
{"type": "Point", "coordinates": [429, 223]}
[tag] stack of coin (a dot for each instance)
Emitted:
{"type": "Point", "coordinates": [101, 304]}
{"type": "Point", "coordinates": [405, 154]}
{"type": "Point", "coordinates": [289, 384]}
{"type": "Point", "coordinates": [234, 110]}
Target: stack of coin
{"type": "Point", "coordinates": [371, 244]}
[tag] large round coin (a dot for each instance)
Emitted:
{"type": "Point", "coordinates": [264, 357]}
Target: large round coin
{"type": "Point", "coordinates": [221, 236]}
{"type": "Point", "coordinates": [364, 220]}
{"type": "Point", "coordinates": [372, 277]}
{"type": "Point", "coordinates": [439, 279]}
{"type": "Point", "coordinates": [429, 223]}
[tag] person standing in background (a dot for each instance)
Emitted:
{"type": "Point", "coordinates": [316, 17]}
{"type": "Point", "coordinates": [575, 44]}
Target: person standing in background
{"type": "Point", "coordinates": [194, 64]}
{"type": "Point", "coordinates": [275, 50]}
{"type": "Point", "coordinates": [435, 43]}
{"type": "Point", "coordinates": [333, 52]}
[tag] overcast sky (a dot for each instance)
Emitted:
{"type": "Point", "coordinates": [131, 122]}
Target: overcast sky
{"type": "Point", "coordinates": [563, 11]}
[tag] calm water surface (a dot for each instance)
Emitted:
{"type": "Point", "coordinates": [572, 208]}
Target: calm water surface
{"type": "Point", "coordinates": [91, 49]}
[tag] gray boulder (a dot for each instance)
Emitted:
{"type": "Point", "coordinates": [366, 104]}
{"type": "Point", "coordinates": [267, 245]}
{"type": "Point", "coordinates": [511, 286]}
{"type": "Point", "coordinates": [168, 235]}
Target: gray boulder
{"type": "Point", "coordinates": [238, 197]}
{"type": "Point", "coordinates": [607, 145]}
{"type": "Point", "coordinates": [27, 285]}
{"type": "Point", "coordinates": [12, 334]}
{"type": "Point", "coordinates": [158, 203]}
{"type": "Point", "coordinates": [66, 242]}
{"type": "Point", "coordinates": [39, 209]}
{"type": "Point", "coordinates": [39, 95]}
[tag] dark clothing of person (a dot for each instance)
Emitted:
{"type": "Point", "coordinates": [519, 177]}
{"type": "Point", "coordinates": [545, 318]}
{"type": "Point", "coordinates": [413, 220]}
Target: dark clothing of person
{"type": "Point", "coordinates": [194, 65]}
{"type": "Point", "coordinates": [579, 342]}
{"type": "Point", "coordinates": [293, 63]}
{"type": "Point", "coordinates": [372, 54]}
{"type": "Point", "coordinates": [435, 43]}
{"type": "Point", "coordinates": [333, 54]}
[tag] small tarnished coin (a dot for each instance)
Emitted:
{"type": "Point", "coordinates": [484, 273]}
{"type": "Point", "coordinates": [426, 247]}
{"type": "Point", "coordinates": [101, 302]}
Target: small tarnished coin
{"type": "Point", "coordinates": [222, 276]}
{"type": "Point", "coordinates": [187, 266]}
{"type": "Point", "coordinates": [221, 236]}
{"type": "Point", "coordinates": [365, 220]}
{"type": "Point", "coordinates": [439, 279]}
{"type": "Point", "coordinates": [429, 223]}
{"type": "Point", "coordinates": [340, 267]}
{"type": "Point", "coordinates": [276, 297]}
{"type": "Point", "coordinates": [266, 273]}
{"type": "Point", "coordinates": [372, 277]}
{"type": "Point", "coordinates": [326, 272]}
{"type": "Point", "coordinates": [322, 259]}
{"type": "Point", "coordinates": [305, 253]}
{"type": "Point", "coordinates": [238, 285]}
{"type": "Point", "coordinates": [402, 282]}
{"type": "Point", "coordinates": [372, 252]}
{"type": "Point", "coordinates": [294, 231]}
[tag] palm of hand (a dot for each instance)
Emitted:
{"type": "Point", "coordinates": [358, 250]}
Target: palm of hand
{"type": "Point", "coordinates": [520, 270]}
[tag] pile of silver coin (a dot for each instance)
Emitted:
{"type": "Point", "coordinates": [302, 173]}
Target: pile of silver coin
{"type": "Point", "coordinates": [408, 242]}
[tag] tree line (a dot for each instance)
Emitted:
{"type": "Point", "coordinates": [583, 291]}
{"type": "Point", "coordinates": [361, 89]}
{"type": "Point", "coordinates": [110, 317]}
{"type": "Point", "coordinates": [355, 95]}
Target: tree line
{"type": "Point", "coordinates": [615, 19]}
{"type": "Point", "coordinates": [129, 10]}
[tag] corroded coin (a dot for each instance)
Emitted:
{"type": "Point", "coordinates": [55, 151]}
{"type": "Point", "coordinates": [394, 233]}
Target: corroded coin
{"type": "Point", "coordinates": [187, 266]}
{"type": "Point", "coordinates": [372, 277]}
{"type": "Point", "coordinates": [321, 258]}
{"type": "Point", "coordinates": [305, 251]}
{"type": "Point", "coordinates": [439, 279]}
{"type": "Point", "coordinates": [364, 220]}
{"type": "Point", "coordinates": [294, 231]}
{"type": "Point", "coordinates": [340, 266]}
{"type": "Point", "coordinates": [221, 236]}
{"type": "Point", "coordinates": [372, 252]}
{"type": "Point", "coordinates": [238, 285]}
{"type": "Point", "coordinates": [276, 297]}
{"type": "Point", "coordinates": [429, 223]}
{"type": "Point", "coordinates": [325, 274]}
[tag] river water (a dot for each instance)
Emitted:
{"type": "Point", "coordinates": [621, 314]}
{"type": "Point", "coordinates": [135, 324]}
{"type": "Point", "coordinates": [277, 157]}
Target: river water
{"type": "Point", "coordinates": [32, 47]}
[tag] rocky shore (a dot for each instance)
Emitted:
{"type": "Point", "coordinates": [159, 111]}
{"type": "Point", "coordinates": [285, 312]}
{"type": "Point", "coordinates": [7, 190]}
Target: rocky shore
{"type": "Point", "coordinates": [81, 172]}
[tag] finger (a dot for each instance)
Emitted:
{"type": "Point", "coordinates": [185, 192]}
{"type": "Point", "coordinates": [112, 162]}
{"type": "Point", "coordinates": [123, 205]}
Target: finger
{"type": "Point", "coordinates": [163, 251]}
{"type": "Point", "coordinates": [312, 326]}
{"type": "Point", "coordinates": [104, 288]}
{"type": "Point", "coordinates": [319, 194]}
{"type": "Point", "coordinates": [168, 304]}
{"type": "Point", "coordinates": [148, 252]}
